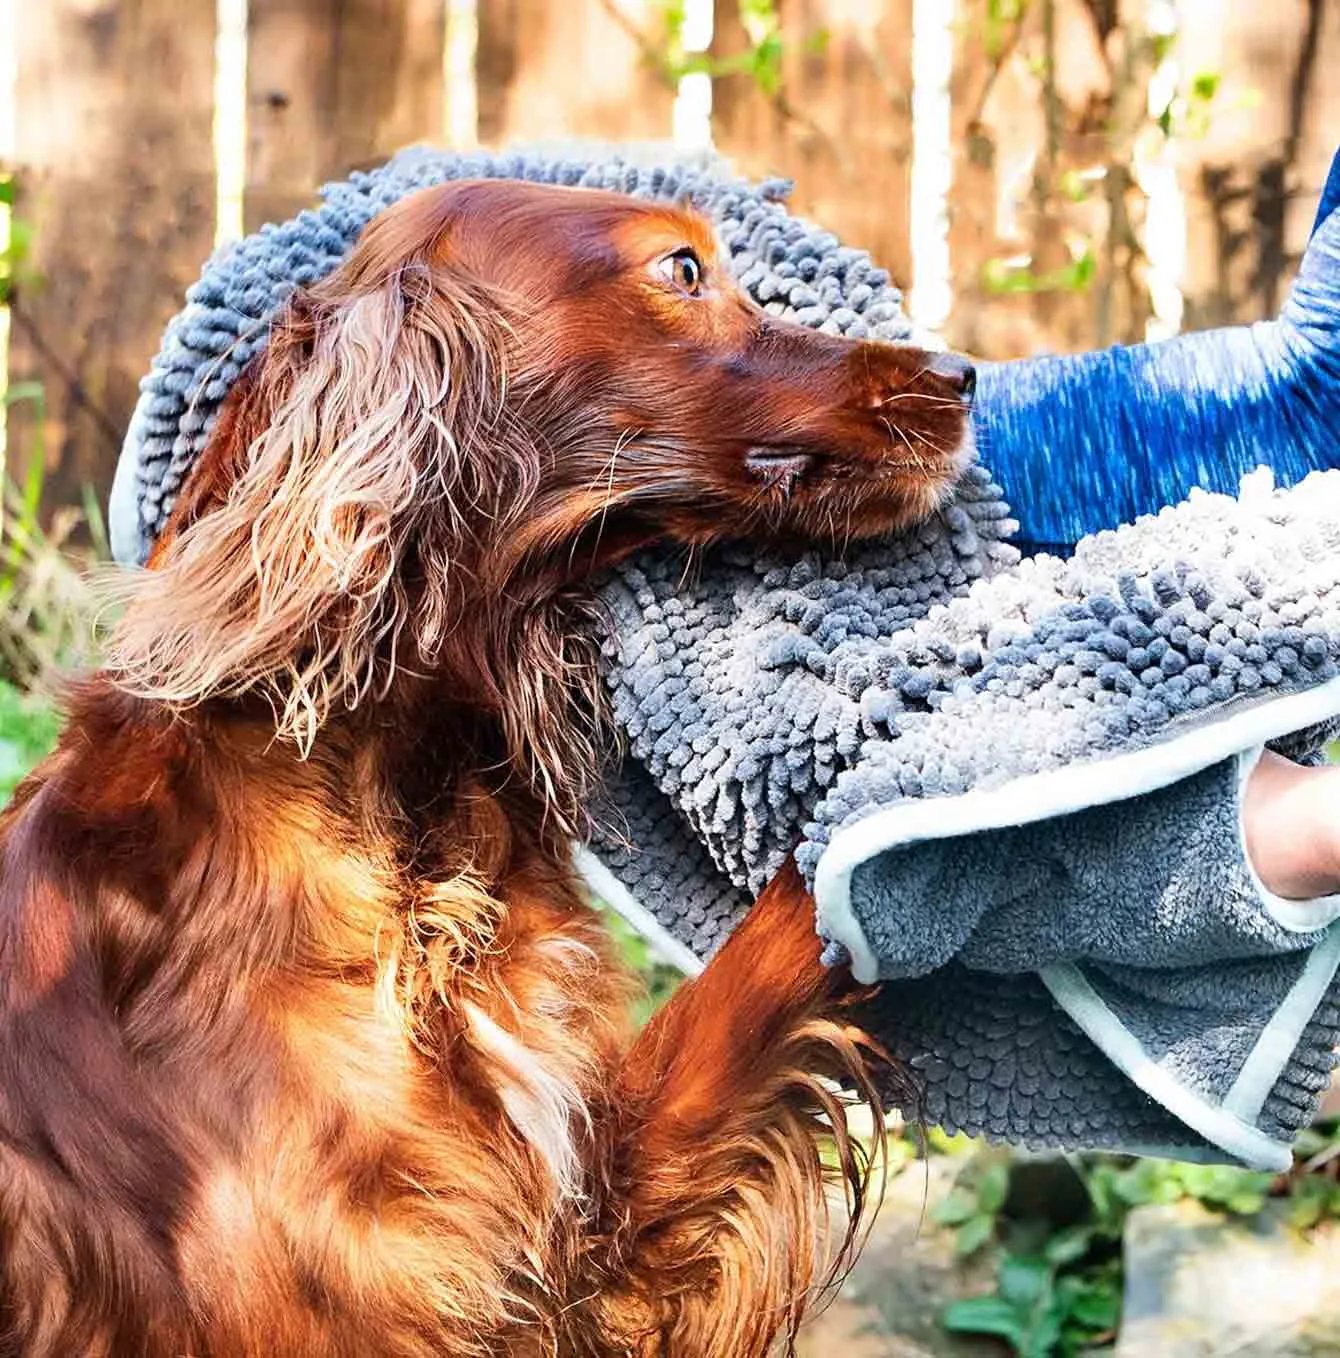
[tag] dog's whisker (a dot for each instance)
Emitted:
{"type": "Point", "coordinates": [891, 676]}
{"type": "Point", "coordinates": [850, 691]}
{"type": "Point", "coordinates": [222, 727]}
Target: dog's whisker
{"type": "Point", "coordinates": [929, 397]}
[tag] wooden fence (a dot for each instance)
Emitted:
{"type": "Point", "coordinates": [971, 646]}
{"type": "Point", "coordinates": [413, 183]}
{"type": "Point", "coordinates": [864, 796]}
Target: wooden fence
{"type": "Point", "coordinates": [115, 160]}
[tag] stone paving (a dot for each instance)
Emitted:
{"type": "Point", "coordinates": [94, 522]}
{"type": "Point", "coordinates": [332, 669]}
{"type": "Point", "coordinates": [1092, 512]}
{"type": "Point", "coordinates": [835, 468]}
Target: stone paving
{"type": "Point", "coordinates": [890, 1306]}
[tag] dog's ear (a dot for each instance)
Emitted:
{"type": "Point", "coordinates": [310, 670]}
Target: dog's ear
{"type": "Point", "coordinates": [282, 570]}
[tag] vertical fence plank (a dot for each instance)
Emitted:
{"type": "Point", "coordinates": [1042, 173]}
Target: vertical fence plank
{"type": "Point", "coordinates": [838, 121]}
{"type": "Point", "coordinates": [1252, 178]}
{"type": "Point", "coordinates": [114, 106]}
{"type": "Point", "coordinates": [1315, 105]}
{"type": "Point", "coordinates": [974, 179]}
{"type": "Point", "coordinates": [334, 84]}
{"type": "Point", "coordinates": [584, 68]}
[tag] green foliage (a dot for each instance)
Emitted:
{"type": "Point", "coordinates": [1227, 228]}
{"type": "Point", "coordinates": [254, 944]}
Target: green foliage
{"type": "Point", "coordinates": [974, 1205]}
{"type": "Point", "coordinates": [48, 611]}
{"type": "Point", "coordinates": [1041, 1310]}
{"type": "Point", "coordinates": [50, 617]}
{"type": "Point", "coordinates": [29, 724]}
{"type": "Point", "coordinates": [1059, 1285]}
{"type": "Point", "coordinates": [1076, 186]}
{"type": "Point", "coordinates": [1005, 279]}
{"type": "Point", "coordinates": [1115, 1188]}
{"type": "Point", "coordinates": [1189, 110]}
{"type": "Point", "coordinates": [1002, 16]}
{"type": "Point", "coordinates": [1314, 1186]}
{"type": "Point", "coordinates": [1315, 1198]}
{"type": "Point", "coordinates": [761, 60]}
{"type": "Point", "coordinates": [15, 252]}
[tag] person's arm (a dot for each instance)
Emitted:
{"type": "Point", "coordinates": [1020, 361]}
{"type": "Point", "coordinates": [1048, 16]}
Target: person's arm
{"type": "Point", "coordinates": [1088, 442]}
{"type": "Point", "coordinates": [1291, 816]}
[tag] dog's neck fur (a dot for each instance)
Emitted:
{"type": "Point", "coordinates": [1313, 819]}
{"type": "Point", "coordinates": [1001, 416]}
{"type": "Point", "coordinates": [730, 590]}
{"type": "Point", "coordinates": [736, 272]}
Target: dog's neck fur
{"type": "Point", "coordinates": [343, 1065]}
{"type": "Point", "coordinates": [353, 945]}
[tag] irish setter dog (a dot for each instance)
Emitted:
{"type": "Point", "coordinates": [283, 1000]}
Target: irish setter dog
{"type": "Point", "coordinates": [310, 1042]}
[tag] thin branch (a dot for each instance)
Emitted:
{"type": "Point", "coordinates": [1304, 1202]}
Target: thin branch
{"type": "Point", "coordinates": [998, 64]}
{"type": "Point", "coordinates": [649, 50]}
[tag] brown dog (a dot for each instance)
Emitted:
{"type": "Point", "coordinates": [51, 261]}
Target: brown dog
{"type": "Point", "coordinates": [309, 1042]}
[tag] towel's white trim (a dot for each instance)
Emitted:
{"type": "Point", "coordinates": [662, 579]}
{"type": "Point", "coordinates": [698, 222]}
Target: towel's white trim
{"type": "Point", "coordinates": [1299, 917]}
{"type": "Point", "coordinates": [618, 897]}
{"type": "Point", "coordinates": [1214, 1122]}
{"type": "Point", "coordinates": [1042, 796]}
{"type": "Point", "coordinates": [123, 516]}
{"type": "Point", "coordinates": [1279, 1038]}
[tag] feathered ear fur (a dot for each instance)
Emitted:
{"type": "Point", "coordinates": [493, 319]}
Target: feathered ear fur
{"type": "Point", "coordinates": [355, 449]}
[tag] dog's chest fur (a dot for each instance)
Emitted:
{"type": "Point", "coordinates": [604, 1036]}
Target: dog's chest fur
{"type": "Point", "coordinates": [303, 1101]}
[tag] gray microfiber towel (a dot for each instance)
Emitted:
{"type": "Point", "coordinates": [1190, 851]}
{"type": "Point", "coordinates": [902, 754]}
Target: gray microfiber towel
{"type": "Point", "coordinates": [1014, 784]}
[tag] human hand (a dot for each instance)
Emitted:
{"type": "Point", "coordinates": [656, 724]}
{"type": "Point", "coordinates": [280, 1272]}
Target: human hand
{"type": "Point", "coordinates": [1291, 822]}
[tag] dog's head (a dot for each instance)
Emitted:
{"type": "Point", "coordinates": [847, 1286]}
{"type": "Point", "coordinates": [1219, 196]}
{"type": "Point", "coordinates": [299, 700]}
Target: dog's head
{"type": "Point", "coordinates": [503, 387]}
{"type": "Point", "coordinates": [660, 400]}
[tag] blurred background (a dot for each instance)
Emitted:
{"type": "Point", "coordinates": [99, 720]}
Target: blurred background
{"type": "Point", "coordinates": [1038, 175]}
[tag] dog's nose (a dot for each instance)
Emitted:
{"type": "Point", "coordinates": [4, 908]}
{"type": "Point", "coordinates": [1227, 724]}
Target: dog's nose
{"type": "Point", "coordinates": [957, 371]}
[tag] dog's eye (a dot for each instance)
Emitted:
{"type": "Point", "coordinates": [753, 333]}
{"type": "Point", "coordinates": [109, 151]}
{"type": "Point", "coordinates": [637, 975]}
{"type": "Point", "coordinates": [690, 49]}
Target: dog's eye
{"type": "Point", "coordinates": [684, 270]}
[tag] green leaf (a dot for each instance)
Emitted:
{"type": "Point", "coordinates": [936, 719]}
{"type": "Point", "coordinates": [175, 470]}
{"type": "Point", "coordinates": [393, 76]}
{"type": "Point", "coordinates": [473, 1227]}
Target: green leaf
{"type": "Point", "coordinates": [974, 1233]}
{"type": "Point", "coordinates": [1082, 272]}
{"type": "Point", "coordinates": [1244, 1204]}
{"type": "Point", "coordinates": [20, 242]}
{"type": "Point", "coordinates": [767, 64]}
{"type": "Point", "coordinates": [672, 16]}
{"type": "Point", "coordinates": [1024, 1280]}
{"type": "Point", "coordinates": [1165, 1191]}
{"type": "Point", "coordinates": [1044, 1334]}
{"type": "Point", "coordinates": [1005, 11]}
{"type": "Point", "coordinates": [757, 11]}
{"type": "Point", "coordinates": [985, 1315]}
{"type": "Point", "coordinates": [993, 1187]}
{"type": "Point", "coordinates": [28, 729]}
{"type": "Point", "coordinates": [957, 1208]}
{"type": "Point", "coordinates": [1099, 1180]}
{"type": "Point", "coordinates": [1312, 1140]}
{"type": "Point", "coordinates": [902, 1153]}
{"type": "Point", "coordinates": [1200, 1181]}
{"type": "Point", "coordinates": [1068, 1246]}
{"type": "Point", "coordinates": [1150, 1181]}
{"type": "Point", "coordinates": [1205, 85]}
{"type": "Point", "coordinates": [1242, 1192]}
{"type": "Point", "coordinates": [24, 391]}
{"type": "Point", "coordinates": [1075, 186]}
{"type": "Point", "coordinates": [1098, 1306]}
{"type": "Point", "coordinates": [1306, 1212]}
{"type": "Point", "coordinates": [1161, 46]}
{"type": "Point", "coordinates": [941, 1143]}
